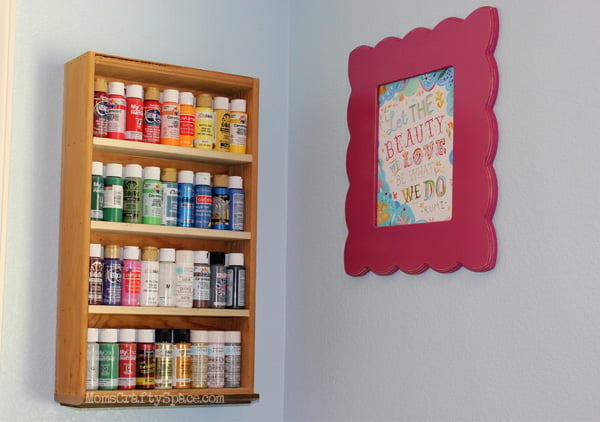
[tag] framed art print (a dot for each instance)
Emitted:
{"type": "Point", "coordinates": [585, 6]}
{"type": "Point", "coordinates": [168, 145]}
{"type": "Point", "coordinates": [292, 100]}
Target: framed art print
{"type": "Point", "coordinates": [423, 135]}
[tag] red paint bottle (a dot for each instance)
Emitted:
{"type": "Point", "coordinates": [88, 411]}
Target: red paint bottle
{"type": "Point", "coordinates": [135, 113]}
{"type": "Point", "coordinates": [117, 108]}
{"type": "Point", "coordinates": [100, 108]}
{"type": "Point", "coordinates": [127, 359]}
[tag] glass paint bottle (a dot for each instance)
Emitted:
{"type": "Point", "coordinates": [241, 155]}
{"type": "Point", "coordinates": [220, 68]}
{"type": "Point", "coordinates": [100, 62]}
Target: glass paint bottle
{"type": "Point", "coordinates": [199, 357]}
{"type": "Point", "coordinates": [93, 352]}
{"type": "Point", "coordinates": [152, 196]}
{"type": "Point", "coordinates": [236, 281]}
{"type": "Point", "coordinates": [203, 201]}
{"type": "Point", "coordinates": [201, 280]}
{"type": "Point", "coordinates": [97, 200]}
{"type": "Point", "coordinates": [132, 273]}
{"type": "Point", "coordinates": [185, 198]}
{"type": "Point", "coordinates": [220, 202]}
{"type": "Point", "coordinates": [204, 133]}
{"type": "Point", "coordinates": [218, 280]}
{"type": "Point", "coordinates": [232, 359]}
{"type": "Point", "coordinates": [113, 275]}
{"type": "Point", "coordinates": [145, 359]}
{"type": "Point", "coordinates": [117, 109]}
{"type": "Point", "coordinates": [187, 117]}
{"type": "Point", "coordinates": [96, 275]}
{"type": "Point", "coordinates": [236, 203]}
{"type": "Point", "coordinates": [108, 359]}
{"type": "Point", "coordinates": [113, 193]}
{"type": "Point", "coordinates": [151, 124]}
{"type": "Point", "coordinates": [238, 121]}
{"type": "Point", "coordinates": [127, 359]}
{"type": "Point", "coordinates": [163, 358]}
{"type": "Point", "coordinates": [149, 280]}
{"type": "Point", "coordinates": [167, 277]}
{"type": "Point", "coordinates": [182, 361]}
{"type": "Point", "coordinates": [132, 194]}
{"type": "Point", "coordinates": [100, 108]}
{"type": "Point", "coordinates": [169, 118]}
{"type": "Point", "coordinates": [216, 359]}
{"type": "Point", "coordinates": [221, 113]}
{"type": "Point", "coordinates": [134, 116]}
{"type": "Point", "coordinates": [168, 177]}
{"type": "Point", "coordinates": [184, 285]}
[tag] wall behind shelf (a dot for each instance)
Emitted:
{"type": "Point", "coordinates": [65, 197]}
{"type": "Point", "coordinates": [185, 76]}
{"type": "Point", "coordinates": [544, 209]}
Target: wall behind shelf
{"type": "Point", "coordinates": [249, 38]}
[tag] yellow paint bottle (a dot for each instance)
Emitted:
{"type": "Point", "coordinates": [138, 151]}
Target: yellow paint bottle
{"type": "Point", "coordinates": [238, 121]}
{"type": "Point", "coordinates": [204, 132]}
{"type": "Point", "coordinates": [221, 110]}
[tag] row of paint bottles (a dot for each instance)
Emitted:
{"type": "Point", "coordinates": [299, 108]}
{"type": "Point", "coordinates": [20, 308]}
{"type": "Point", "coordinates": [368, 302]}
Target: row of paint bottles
{"type": "Point", "coordinates": [128, 358]}
{"type": "Point", "coordinates": [150, 195]}
{"type": "Point", "coordinates": [166, 277]}
{"type": "Point", "coordinates": [179, 119]}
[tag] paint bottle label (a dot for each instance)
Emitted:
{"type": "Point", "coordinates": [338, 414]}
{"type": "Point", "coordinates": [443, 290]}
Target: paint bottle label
{"type": "Point", "coordinates": [236, 209]}
{"type": "Point", "coordinates": [100, 114]}
{"type": "Point", "coordinates": [134, 119]}
{"type": "Point", "coordinates": [199, 354]}
{"type": "Point", "coordinates": [203, 208]}
{"type": "Point", "coordinates": [96, 212]}
{"type": "Point", "coordinates": [113, 199]}
{"type": "Point", "coordinates": [184, 287]}
{"type": "Point", "coordinates": [145, 366]}
{"type": "Point", "coordinates": [185, 205]}
{"type": "Point", "coordinates": [92, 367]}
{"type": "Point", "coordinates": [95, 289]}
{"type": "Point", "coordinates": [216, 365]}
{"type": "Point", "coordinates": [164, 366]}
{"type": "Point", "coordinates": [232, 363]}
{"type": "Point", "coordinates": [111, 288]}
{"type": "Point", "coordinates": [149, 283]}
{"type": "Point", "coordinates": [201, 286]}
{"type": "Point", "coordinates": [204, 128]}
{"type": "Point", "coordinates": [151, 125]}
{"type": "Point", "coordinates": [152, 200]}
{"type": "Point", "coordinates": [169, 125]}
{"type": "Point", "coordinates": [237, 132]}
{"type": "Point", "coordinates": [218, 286]}
{"type": "Point", "coordinates": [127, 359]}
{"type": "Point", "coordinates": [169, 199]}
{"type": "Point", "coordinates": [108, 376]}
{"type": "Point", "coordinates": [130, 295]}
{"type": "Point", "coordinates": [221, 130]}
{"type": "Point", "coordinates": [117, 108]}
{"type": "Point", "coordinates": [186, 125]}
{"type": "Point", "coordinates": [132, 200]}
{"type": "Point", "coordinates": [166, 284]}
{"type": "Point", "coordinates": [236, 287]}
{"type": "Point", "coordinates": [182, 377]}
{"type": "Point", "coordinates": [220, 208]}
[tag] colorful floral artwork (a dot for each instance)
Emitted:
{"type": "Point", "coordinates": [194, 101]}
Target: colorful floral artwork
{"type": "Point", "coordinates": [415, 149]}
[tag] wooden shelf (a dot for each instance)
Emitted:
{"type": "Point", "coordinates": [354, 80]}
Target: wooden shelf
{"type": "Point", "coordinates": [147, 310]}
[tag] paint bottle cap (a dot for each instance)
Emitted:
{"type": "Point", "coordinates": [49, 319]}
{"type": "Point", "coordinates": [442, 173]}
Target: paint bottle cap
{"type": "Point", "coordinates": [96, 168]}
{"type": "Point", "coordinates": [168, 174]}
{"type": "Point", "coordinates": [144, 336]}
{"type": "Point", "coordinates": [236, 259]}
{"type": "Point", "coordinates": [131, 252]}
{"type": "Point", "coordinates": [149, 253]}
{"type": "Point", "coordinates": [233, 337]}
{"type": "Point", "coordinates": [163, 335]}
{"type": "Point", "coordinates": [181, 336]}
{"type": "Point", "coordinates": [235, 182]}
{"type": "Point", "coordinates": [238, 105]}
{"type": "Point", "coordinates": [166, 255]}
{"type": "Point", "coordinates": [112, 252]}
{"type": "Point", "coordinates": [203, 178]}
{"type": "Point", "coordinates": [186, 98]}
{"type": "Point", "coordinates": [221, 103]}
{"type": "Point", "coordinates": [116, 88]}
{"type": "Point", "coordinates": [100, 85]}
{"type": "Point", "coordinates": [198, 336]}
{"type": "Point", "coordinates": [152, 93]}
{"type": "Point", "coordinates": [185, 176]}
{"type": "Point", "coordinates": [108, 335]}
{"type": "Point", "coordinates": [133, 171]}
{"type": "Point", "coordinates": [184, 256]}
{"type": "Point", "coordinates": [95, 250]}
{"type": "Point", "coordinates": [216, 336]}
{"type": "Point", "coordinates": [92, 336]}
{"type": "Point", "coordinates": [135, 91]}
{"type": "Point", "coordinates": [201, 257]}
{"type": "Point", "coordinates": [204, 100]}
{"type": "Point", "coordinates": [126, 335]}
{"type": "Point", "coordinates": [220, 180]}
{"type": "Point", "coordinates": [217, 258]}
{"type": "Point", "coordinates": [151, 173]}
{"type": "Point", "coordinates": [114, 170]}
{"type": "Point", "coordinates": [170, 96]}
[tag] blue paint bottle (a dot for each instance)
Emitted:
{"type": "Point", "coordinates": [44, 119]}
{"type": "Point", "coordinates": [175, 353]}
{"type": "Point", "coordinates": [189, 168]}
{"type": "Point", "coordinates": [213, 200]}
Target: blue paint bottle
{"type": "Point", "coordinates": [236, 203]}
{"type": "Point", "coordinates": [220, 202]}
{"type": "Point", "coordinates": [203, 195]}
{"type": "Point", "coordinates": [185, 198]}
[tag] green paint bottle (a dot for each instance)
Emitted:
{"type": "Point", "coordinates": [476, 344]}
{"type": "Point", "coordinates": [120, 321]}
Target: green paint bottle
{"type": "Point", "coordinates": [108, 375]}
{"type": "Point", "coordinates": [132, 194]}
{"type": "Point", "coordinates": [113, 193]}
{"type": "Point", "coordinates": [152, 196]}
{"type": "Point", "coordinates": [97, 202]}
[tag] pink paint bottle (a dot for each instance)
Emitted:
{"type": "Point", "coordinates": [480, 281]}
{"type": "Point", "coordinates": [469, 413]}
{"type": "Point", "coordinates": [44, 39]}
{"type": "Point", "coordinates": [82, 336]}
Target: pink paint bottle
{"type": "Point", "coordinates": [132, 274]}
{"type": "Point", "coordinates": [117, 108]}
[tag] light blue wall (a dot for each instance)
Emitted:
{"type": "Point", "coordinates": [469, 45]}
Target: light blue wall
{"type": "Point", "coordinates": [519, 343]}
{"type": "Point", "coordinates": [250, 38]}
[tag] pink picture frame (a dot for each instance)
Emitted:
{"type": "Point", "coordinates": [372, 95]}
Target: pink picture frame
{"type": "Point", "coordinates": [468, 238]}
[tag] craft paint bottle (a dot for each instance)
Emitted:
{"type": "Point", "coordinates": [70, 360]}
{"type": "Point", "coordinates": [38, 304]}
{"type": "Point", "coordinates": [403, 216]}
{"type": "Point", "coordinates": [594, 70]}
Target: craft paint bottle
{"type": "Point", "coordinates": [221, 113]}
{"type": "Point", "coordinates": [113, 275]}
{"type": "Point", "coordinates": [182, 360]}
{"type": "Point", "coordinates": [220, 202]}
{"type": "Point", "coordinates": [236, 281]}
{"type": "Point", "coordinates": [163, 358]}
{"type": "Point", "coordinates": [216, 359]}
{"type": "Point", "coordinates": [93, 355]}
{"type": "Point", "coordinates": [152, 196]}
{"type": "Point", "coordinates": [201, 280]}
{"type": "Point", "coordinates": [144, 359]}
{"type": "Point", "coordinates": [203, 201]}
{"type": "Point", "coordinates": [127, 359]}
{"type": "Point", "coordinates": [97, 202]}
{"type": "Point", "coordinates": [113, 193]}
{"type": "Point", "coordinates": [232, 359]}
{"type": "Point", "coordinates": [132, 273]}
{"type": "Point", "coordinates": [167, 277]}
{"type": "Point", "coordinates": [236, 203]}
{"type": "Point", "coordinates": [238, 121]}
{"type": "Point", "coordinates": [184, 285]}
{"type": "Point", "coordinates": [187, 117]}
{"type": "Point", "coordinates": [199, 355]}
{"type": "Point", "coordinates": [132, 194]}
{"type": "Point", "coordinates": [168, 177]}
{"type": "Point", "coordinates": [134, 116]}
{"type": "Point", "coordinates": [151, 124]}
{"type": "Point", "coordinates": [108, 359]}
{"type": "Point", "coordinates": [204, 133]}
{"type": "Point", "coordinates": [185, 198]}
{"type": "Point", "coordinates": [117, 109]}
{"type": "Point", "coordinates": [169, 118]}
{"type": "Point", "coordinates": [100, 108]}
{"type": "Point", "coordinates": [218, 280]}
{"type": "Point", "coordinates": [96, 275]}
{"type": "Point", "coordinates": [149, 280]}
